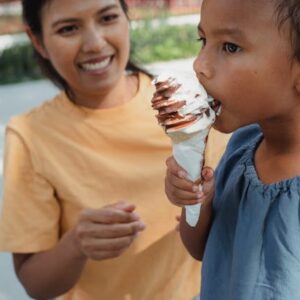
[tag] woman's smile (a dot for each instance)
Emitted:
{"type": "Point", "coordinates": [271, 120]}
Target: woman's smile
{"type": "Point", "coordinates": [96, 65]}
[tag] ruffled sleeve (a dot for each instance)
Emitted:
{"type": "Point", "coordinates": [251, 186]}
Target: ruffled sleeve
{"type": "Point", "coordinates": [233, 155]}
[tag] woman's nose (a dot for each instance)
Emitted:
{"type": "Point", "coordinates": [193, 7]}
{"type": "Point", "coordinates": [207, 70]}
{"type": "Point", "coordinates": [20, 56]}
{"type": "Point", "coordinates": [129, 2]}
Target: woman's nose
{"type": "Point", "coordinates": [93, 40]}
{"type": "Point", "coordinates": [203, 66]}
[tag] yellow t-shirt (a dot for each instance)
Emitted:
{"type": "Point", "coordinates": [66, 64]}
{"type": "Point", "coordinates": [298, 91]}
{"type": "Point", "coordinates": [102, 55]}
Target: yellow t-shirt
{"type": "Point", "coordinates": [61, 158]}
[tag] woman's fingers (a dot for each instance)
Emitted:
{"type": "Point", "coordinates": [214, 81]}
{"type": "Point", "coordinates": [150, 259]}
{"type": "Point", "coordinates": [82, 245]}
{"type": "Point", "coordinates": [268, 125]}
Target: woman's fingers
{"type": "Point", "coordinates": [96, 255]}
{"type": "Point", "coordinates": [97, 230]}
{"type": "Point", "coordinates": [99, 249]}
{"type": "Point", "coordinates": [122, 205]}
{"type": "Point", "coordinates": [107, 232]}
{"type": "Point", "coordinates": [103, 248]}
{"type": "Point", "coordinates": [108, 215]}
{"type": "Point", "coordinates": [114, 244]}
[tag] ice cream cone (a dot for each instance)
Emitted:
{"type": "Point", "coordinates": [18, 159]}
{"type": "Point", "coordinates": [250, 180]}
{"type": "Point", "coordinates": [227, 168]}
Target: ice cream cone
{"type": "Point", "coordinates": [188, 150]}
{"type": "Point", "coordinates": [186, 115]}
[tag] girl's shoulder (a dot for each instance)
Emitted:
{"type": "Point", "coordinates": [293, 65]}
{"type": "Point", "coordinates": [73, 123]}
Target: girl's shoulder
{"type": "Point", "coordinates": [240, 142]}
{"type": "Point", "coordinates": [237, 169]}
{"type": "Point", "coordinates": [243, 138]}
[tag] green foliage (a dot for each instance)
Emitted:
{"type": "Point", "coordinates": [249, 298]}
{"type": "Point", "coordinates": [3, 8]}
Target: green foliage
{"type": "Point", "coordinates": [163, 43]}
{"type": "Point", "coordinates": [18, 64]}
{"type": "Point", "coordinates": [149, 44]}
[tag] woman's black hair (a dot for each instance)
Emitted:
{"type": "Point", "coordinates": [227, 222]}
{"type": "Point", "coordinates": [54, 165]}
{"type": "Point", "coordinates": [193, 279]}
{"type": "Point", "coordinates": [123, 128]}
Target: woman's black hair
{"type": "Point", "coordinates": [32, 10]}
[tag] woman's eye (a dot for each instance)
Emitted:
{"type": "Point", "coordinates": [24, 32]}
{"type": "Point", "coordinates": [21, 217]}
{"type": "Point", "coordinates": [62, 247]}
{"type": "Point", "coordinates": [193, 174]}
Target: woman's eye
{"type": "Point", "coordinates": [67, 29]}
{"type": "Point", "coordinates": [231, 48]}
{"type": "Point", "coordinates": [109, 18]}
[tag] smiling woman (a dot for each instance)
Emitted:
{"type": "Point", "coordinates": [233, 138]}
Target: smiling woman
{"type": "Point", "coordinates": [84, 171]}
{"type": "Point", "coordinates": [83, 45]}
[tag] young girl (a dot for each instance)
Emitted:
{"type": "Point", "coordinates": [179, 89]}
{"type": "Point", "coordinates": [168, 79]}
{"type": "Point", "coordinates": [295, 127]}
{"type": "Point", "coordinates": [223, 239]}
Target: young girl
{"type": "Point", "coordinates": [249, 235]}
{"type": "Point", "coordinates": [69, 162]}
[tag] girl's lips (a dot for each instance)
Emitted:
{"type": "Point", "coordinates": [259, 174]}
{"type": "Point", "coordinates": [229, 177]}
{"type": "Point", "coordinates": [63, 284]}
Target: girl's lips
{"type": "Point", "coordinates": [216, 106]}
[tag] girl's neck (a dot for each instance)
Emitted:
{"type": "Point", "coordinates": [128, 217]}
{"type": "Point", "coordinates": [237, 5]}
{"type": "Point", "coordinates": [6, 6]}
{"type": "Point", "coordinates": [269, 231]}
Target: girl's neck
{"type": "Point", "coordinates": [125, 89]}
{"type": "Point", "coordinates": [283, 136]}
{"type": "Point", "coordinates": [278, 155]}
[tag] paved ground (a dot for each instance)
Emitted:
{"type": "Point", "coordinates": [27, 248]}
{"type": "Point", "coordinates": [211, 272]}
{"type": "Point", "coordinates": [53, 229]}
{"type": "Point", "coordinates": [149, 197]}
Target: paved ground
{"type": "Point", "coordinates": [15, 99]}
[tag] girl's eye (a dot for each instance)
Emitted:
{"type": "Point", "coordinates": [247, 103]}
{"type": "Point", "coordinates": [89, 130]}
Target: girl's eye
{"type": "Point", "coordinates": [231, 48]}
{"type": "Point", "coordinates": [202, 41]}
{"type": "Point", "coordinates": [109, 18]}
{"type": "Point", "coordinates": [67, 29]}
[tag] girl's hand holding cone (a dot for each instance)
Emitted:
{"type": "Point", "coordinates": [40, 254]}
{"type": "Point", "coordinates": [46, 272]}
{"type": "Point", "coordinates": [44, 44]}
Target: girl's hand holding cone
{"type": "Point", "coordinates": [182, 191]}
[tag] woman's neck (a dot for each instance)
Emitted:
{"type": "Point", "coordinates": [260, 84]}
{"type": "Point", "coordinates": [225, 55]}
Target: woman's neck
{"type": "Point", "coordinates": [125, 89]}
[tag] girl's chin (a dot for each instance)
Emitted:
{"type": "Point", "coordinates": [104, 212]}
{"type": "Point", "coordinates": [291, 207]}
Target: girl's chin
{"type": "Point", "coordinates": [221, 127]}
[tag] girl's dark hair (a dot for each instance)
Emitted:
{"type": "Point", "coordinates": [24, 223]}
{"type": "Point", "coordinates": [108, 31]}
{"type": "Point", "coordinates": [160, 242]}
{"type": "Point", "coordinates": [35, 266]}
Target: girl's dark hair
{"type": "Point", "coordinates": [32, 10]}
{"type": "Point", "coordinates": [289, 11]}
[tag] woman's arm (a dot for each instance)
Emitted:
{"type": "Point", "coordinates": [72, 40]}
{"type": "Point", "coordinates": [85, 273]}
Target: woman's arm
{"type": "Point", "coordinates": [100, 234]}
{"type": "Point", "coordinates": [51, 273]}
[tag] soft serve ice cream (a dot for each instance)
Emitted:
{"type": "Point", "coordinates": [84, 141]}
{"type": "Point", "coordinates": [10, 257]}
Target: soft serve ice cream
{"type": "Point", "coordinates": [186, 113]}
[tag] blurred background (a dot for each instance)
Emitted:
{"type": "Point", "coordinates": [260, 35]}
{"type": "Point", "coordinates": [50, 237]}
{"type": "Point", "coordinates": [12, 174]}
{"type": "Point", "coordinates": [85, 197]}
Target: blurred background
{"type": "Point", "coordinates": [154, 37]}
{"type": "Point", "coordinates": [163, 34]}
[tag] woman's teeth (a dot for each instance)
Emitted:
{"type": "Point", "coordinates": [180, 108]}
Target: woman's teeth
{"type": "Point", "coordinates": [96, 66]}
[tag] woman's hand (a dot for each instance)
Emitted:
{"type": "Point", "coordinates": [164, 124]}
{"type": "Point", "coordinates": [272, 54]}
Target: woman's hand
{"type": "Point", "coordinates": [107, 232]}
{"type": "Point", "coordinates": [181, 191]}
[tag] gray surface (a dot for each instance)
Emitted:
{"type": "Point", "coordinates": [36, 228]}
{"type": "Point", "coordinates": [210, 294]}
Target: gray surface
{"type": "Point", "coordinates": [15, 99]}
{"type": "Point", "coordinates": [18, 98]}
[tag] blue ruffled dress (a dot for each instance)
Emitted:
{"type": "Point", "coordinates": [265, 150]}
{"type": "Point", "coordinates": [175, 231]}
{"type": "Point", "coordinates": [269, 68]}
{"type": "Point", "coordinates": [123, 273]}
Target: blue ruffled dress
{"type": "Point", "coordinates": [253, 249]}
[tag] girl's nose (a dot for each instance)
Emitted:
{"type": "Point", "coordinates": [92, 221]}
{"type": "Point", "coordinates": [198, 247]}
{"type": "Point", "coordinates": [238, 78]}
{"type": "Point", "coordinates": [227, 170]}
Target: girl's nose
{"type": "Point", "coordinates": [93, 40]}
{"type": "Point", "coordinates": [203, 66]}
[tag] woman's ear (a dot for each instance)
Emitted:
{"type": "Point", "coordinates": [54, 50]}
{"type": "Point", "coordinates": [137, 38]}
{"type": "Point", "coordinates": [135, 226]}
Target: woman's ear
{"type": "Point", "coordinates": [37, 43]}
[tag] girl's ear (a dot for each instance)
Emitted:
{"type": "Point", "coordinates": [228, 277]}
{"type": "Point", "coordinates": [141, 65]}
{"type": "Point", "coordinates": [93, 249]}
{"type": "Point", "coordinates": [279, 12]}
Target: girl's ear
{"type": "Point", "coordinates": [37, 43]}
{"type": "Point", "coordinates": [297, 85]}
{"type": "Point", "coordinates": [297, 80]}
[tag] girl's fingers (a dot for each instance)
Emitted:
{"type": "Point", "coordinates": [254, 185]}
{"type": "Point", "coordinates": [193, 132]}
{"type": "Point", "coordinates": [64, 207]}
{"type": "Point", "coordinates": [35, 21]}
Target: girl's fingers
{"type": "Point", "coordinates": [176, 178]}
{"type": "Point", "coordinates": [178, 182]}
{"type": "Point", "coordinates": [207, 174]}
{"type": "Point", "coordinates": [182, 203]}
{"type": "Point", "coordinates": [179, 192]}
{"type": "Point", "coordinates": [175, 169]}
{"type": "Point", "coordinates": [208, 180]}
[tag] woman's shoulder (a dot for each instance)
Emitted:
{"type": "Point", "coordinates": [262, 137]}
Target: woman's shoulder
{"type": "Point", "coordinates": [37, 115]}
